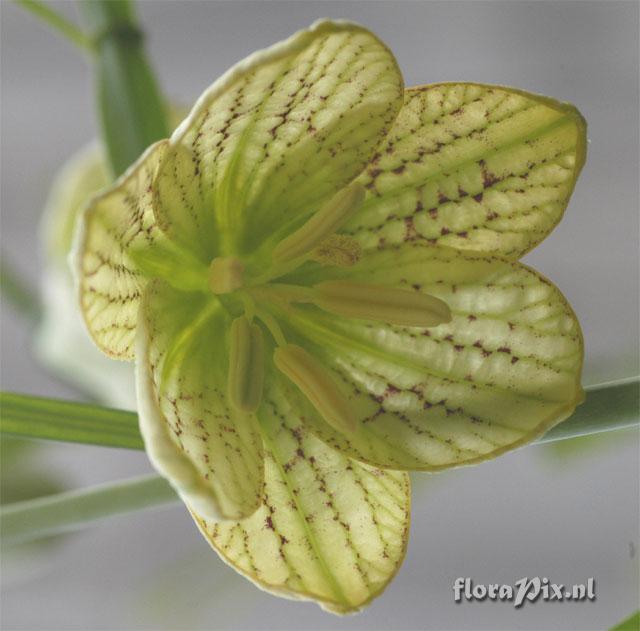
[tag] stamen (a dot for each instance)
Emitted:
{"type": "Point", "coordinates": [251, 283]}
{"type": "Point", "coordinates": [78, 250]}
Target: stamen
{"type": "Point", "coordinates": [274, 328]}
{"type": "Point", "coordinates": [225, 275]}
{"type": "Point", "coordinates": [339, 250]}
{"type": "Point", "coordinates": [322, 224]}
{"type": "Point", "coordinates": [246, 365]}
{"type": "Point", "coordinates": [317, 385]}
{"type": "Point", "coordinates": [382, 304]}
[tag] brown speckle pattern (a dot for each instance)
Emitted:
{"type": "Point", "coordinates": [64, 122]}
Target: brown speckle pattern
{"type": "Point", "coordinates": [330, 529]}
{"type": "Point", "coordinates": [116, 222]}
{"type": "Point", "coordinates": [476, 167]}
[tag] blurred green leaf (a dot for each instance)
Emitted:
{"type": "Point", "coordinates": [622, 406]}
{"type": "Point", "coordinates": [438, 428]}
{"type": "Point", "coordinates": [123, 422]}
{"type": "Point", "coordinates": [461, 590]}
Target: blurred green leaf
{"type": "Point", "coordinates": [132, 111]}
{"type": "Point", "coordinates": [610, 406]}
{"type": "Point", "coordinates": [632, 623]}
{"type": "Point", "coordinates": [58, 22]}
{"type": "Point", "coordinates": [21, 475]}
{"type": "Point", "coordinates": [563, 452]}
{"type": "Point", "coordinates": [16, 290]}
{"type": "Point", "coordinates": [47, 516]}
{"type": "Point", "coordinates": [22, 478]}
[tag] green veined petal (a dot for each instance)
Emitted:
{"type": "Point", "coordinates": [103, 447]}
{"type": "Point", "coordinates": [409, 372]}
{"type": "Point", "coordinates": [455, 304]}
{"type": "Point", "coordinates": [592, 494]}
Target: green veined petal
{"type": "Point", "coordinates": [474, 167]}
{"type": "Point", "coordinates": [209, 451]}
{"type": "Point", "coordinates": [110, 284]}
{"type": "Point", "coordinates": [276, 136]}
{"type": "Point", "coordinates": [330, 530]}
{"type": "Point", "coordinates": [112, 226]}
{"type": "Point", "coordinates": [502, 372]}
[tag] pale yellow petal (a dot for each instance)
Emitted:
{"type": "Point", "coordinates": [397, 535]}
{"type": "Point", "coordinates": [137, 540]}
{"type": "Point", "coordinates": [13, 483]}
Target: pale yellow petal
{"type": "Point", "coordinates": [474, 167]}
{"type": "Point", "coordinates": [110, 284]}
{"type": "Point", "coordinates": [275, 137]}
{"type": "Point", "coordinates": [210, 451]}
{"type": "Point", "coordinates": [503, 371]}
{"type": "Point", "coordinates": [330, 530]}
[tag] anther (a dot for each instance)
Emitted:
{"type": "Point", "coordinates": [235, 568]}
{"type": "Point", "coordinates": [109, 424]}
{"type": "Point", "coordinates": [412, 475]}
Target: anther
{"type": "Point", "coordinates": [322, 224]}
{"type": "Point", "coordinates": [317, 385]}
{"type": "Point", "coordinates": [390, 305]}
{"type": "Point", "coordinates": [338, 250]}
{"type": "Point", "coordinates": [225, 275]}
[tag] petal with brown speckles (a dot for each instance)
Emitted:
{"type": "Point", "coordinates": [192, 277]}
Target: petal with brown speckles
{"type": "Point", "coordinates": [473, 167]}
{"type": "Point", "coordinates": [502, 372]}
{"type": "Point", "coordinates": [110, 283]}
{"type": "Point", "coordinates": [209, 451]}
{"type": "Point", "coordinates": [330, 529]}
{"type": "Point", "coordinates": [276, 136]}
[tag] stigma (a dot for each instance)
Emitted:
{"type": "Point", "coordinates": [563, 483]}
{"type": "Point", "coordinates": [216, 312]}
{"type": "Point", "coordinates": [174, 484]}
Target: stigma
{"type": "Point", "coordinates": [226, 274]}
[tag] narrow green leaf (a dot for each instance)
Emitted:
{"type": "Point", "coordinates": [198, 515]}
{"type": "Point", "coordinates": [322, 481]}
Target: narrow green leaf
{"type": "Point", "coordinates": [632, 623]}
{"type": "Point", "coordinates": [46, 516]}
{"type": "Point", "coordinates": [608, 406]}
{"type": "Point", "coordinates": [612, 405]}
{"type": "Point", "coordinates": [52, 419]}
{"type": "Point", "coordinates": [132, 112]}
{"type": "Point", "coordinates": [58, 22]}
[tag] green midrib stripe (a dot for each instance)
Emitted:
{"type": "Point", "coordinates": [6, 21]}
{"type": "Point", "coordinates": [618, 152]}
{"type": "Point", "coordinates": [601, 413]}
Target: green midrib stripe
{"type": "Point", "coordinates": [331, 579]}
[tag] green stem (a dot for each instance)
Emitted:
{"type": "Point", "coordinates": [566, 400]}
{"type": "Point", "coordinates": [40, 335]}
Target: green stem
{"type": "Point", "coordinates": [132, 112]}
{"type": "Point", "coordinates": [47, 516]}
{"type": "Point", "coordinates": [58, 22]}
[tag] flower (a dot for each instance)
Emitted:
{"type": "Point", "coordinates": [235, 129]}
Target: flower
{"type": "Point", "coordinates": [318, 278]}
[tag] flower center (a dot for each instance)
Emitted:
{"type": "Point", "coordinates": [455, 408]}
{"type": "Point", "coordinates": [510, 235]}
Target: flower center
{"type": "Point", "coordinates": [225, 275]}
{"type": "Point", "coordinates": [264, 298]}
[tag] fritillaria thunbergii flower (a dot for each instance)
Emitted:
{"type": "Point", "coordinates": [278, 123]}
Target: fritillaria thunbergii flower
{"type": "Point", "coordinates": [317, 276]}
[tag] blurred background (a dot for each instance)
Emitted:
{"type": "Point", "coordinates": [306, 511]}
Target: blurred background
{"type": "Point", "coordinates": [567, 511]}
